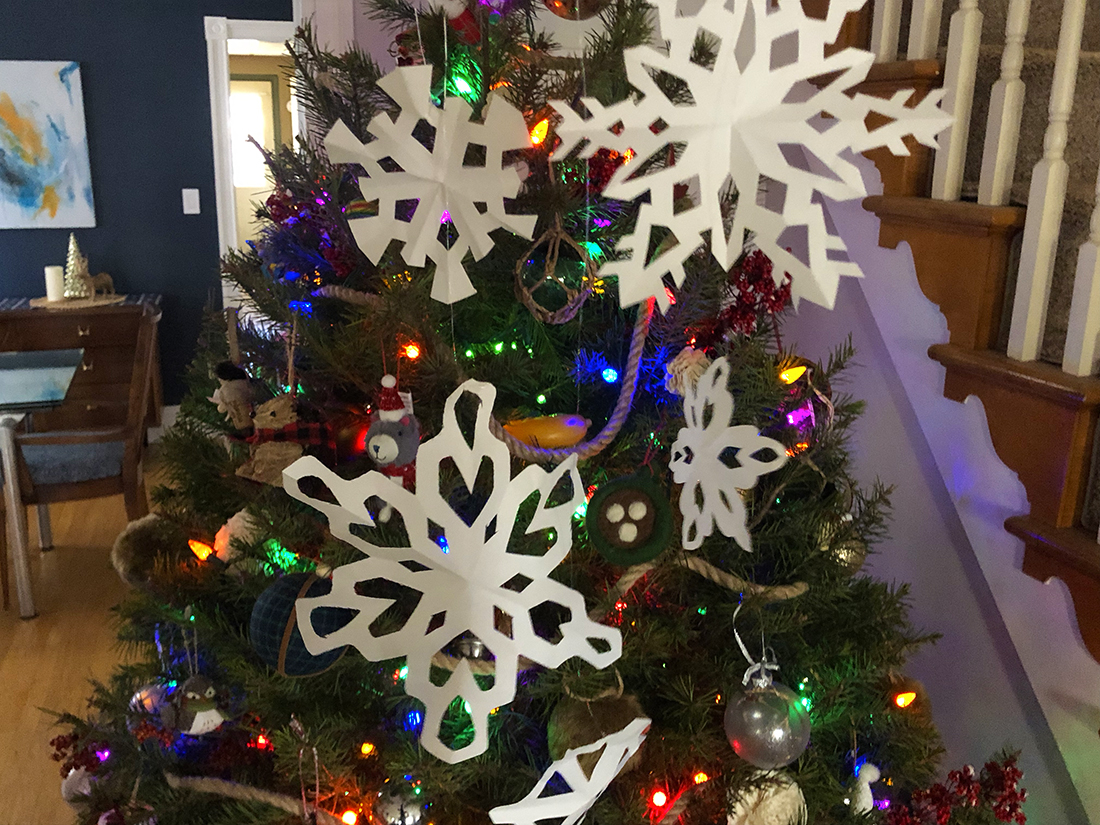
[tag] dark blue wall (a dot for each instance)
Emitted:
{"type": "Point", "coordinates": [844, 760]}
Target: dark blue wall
{"type": "Point", "coordinates": [147, 107]}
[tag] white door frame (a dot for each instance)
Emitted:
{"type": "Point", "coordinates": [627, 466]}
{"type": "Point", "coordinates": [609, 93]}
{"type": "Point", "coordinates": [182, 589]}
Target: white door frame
{"type": "Point", "coordinates": [219, 31]}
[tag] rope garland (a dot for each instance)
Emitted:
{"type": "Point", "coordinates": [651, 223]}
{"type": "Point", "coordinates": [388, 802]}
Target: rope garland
{"type": "Point", "coordinates": [347, 295]}
{"type": "Point", "coordinates": [630, 577]}
{"type": "Point", "coordinates": [678, 807]}
{"type": "Point", "coordinates": [587, 449]}
{"type": "Point", "coordinates": [765, 592]}
{"type": "Point", "coordinates": [539, 455]}
{"type": "Point", "coordinates": [246, 793]}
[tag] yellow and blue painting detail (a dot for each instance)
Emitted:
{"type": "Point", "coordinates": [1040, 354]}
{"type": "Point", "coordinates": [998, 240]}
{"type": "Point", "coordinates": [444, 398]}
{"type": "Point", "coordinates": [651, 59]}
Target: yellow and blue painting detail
{"type": "Point", "coordinates": [45, 175]}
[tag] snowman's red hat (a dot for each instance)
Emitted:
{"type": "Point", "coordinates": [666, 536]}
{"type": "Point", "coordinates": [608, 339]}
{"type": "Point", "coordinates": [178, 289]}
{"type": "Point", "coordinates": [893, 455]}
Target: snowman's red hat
{"type": "Point", "coordinates": [390, 405]}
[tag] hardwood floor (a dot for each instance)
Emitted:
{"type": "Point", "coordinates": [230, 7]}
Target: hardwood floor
{"type": "Point", "coordinates": [46, 662]}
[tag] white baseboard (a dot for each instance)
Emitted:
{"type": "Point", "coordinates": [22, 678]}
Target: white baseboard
{"type": "Point", "coordinates": [167, 419]}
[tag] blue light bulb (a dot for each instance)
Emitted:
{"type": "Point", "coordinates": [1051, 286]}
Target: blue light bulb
{"type": "Point", "coordinates": [610, 375]}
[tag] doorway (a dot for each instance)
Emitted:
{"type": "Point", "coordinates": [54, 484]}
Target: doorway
{"type": "Point", "coordinates": [250, 95]}
{"type": "Point", "coordinates": [261, 108]}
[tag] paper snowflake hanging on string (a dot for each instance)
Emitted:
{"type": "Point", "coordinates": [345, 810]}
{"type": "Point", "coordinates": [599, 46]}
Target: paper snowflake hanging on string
{"type": "Point", "coordinates": [760, 121]}
{"type": "Point", "coordinates": [569, 807]}
{"type": "Point", "coordinates": [468, 578]}
{"type": "Point", "coordinates": [447, 192]}
{"type": "Point", "coordinates": [715, 461]}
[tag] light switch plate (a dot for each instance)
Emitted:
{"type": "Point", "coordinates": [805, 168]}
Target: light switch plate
{"type": "Point", "coordinates": [191, 202]}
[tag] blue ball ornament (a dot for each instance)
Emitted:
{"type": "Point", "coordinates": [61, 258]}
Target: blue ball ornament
{"type": "Point", "coordinates": [274, 631]}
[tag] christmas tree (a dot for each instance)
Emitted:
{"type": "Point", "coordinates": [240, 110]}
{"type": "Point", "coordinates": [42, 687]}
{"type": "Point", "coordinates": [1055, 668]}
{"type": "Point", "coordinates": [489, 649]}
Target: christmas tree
{"type": "Point", "coordinates": [502, 501]}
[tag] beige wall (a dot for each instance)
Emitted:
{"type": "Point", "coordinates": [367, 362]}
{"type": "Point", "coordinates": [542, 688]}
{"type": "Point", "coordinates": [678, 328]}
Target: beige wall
{"type": "Point", "coordinates": [276, 65]}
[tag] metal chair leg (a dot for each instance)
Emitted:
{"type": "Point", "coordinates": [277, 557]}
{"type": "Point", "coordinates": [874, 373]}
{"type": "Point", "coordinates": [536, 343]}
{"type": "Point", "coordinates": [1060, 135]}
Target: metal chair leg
{"type": "Point", "coordinates": [4, 560]}
{"type": "Point", "coordinates": [45, 533]}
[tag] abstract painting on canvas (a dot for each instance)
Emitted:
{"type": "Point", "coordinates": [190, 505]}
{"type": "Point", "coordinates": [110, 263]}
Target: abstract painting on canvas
{"type": "Point", "coordinates": [45, 176]}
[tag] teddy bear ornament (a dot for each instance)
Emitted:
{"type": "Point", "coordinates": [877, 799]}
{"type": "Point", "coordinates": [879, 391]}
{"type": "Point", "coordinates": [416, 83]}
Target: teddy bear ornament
{"type": "Point", "coordinates": [393, 438]}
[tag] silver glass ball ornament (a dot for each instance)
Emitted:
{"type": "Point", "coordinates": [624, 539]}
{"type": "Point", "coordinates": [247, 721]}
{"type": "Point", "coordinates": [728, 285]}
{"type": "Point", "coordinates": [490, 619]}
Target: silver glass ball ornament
{"type": "Point", "coordinates": [398, 805]}
{"type": "Point", "coordinates": [767, 724]}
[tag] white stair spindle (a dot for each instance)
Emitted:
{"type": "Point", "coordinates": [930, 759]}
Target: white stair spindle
{"type": "Point", "coordinates": [1083, 337]}
{"type": "Point", "coordinates": [963, 44]}
{"type": "Point", "coordinates": [885, 26]}
{"type": "Point", "coordinates": [1006, 108]}
{"type": "Point", "coordinates": [1046, 198]}
{"type": "Point", "coordinates": [924, 29]}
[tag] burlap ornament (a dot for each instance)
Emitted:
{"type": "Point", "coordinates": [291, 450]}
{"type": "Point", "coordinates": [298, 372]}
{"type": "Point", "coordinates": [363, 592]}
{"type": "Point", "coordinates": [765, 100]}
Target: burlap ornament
{"type": "Point", "coordinates": [577, 721]}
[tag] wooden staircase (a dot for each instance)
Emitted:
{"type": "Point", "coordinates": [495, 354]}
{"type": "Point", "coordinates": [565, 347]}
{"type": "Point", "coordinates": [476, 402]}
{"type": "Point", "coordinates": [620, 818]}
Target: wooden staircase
{"type": "Point", "coordinates": [1042, 421]}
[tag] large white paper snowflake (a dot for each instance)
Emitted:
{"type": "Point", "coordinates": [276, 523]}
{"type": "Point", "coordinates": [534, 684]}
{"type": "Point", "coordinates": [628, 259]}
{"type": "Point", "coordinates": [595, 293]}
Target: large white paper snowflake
{"type": "Point", "coordinates": [761, 119]}
{"type": "Point", "coordinates": [569, 807]}
{"type": "Point", "coordinates": [437, 179]}
{"type": "Point", "coordinates": [714, 461]}
{"type": "Point", "coordinates": [468, 576]}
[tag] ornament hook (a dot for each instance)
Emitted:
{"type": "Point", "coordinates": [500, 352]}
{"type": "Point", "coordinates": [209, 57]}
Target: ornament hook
{"type": "Point", "coordinates": [759, 673]}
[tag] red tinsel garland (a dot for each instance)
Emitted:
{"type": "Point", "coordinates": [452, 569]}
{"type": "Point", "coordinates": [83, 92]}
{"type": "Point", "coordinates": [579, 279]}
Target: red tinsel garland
{"type": "Point", "coordinates": [996, 790]}
{"type": "Point", "coordinates": [753, 295]}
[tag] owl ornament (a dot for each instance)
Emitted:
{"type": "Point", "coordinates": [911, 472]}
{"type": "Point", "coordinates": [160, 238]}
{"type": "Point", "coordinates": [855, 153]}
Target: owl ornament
{"type": "Point", "coordinates": [194, 709]}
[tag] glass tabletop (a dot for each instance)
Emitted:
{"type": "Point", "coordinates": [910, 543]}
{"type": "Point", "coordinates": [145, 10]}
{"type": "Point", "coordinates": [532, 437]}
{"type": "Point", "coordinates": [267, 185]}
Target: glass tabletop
{"type": "Point", "coordinates": [36, 379]}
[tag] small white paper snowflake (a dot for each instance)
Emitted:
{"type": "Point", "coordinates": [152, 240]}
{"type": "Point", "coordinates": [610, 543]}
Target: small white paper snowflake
{"type": "Point", "coordinates": [437, 179]}
{"type": "Point", "coordinates": [714, 461]}
{"type": "Point", "coordinates": [761, 121]}
{"type": "Point", "coordinates": [461, 566]}
{"type": "Point", "coordinates": [568, 808]}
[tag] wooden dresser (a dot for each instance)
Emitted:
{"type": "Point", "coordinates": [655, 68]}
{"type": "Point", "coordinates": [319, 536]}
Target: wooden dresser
{"type": "Point", "coordinates": [99, 392]}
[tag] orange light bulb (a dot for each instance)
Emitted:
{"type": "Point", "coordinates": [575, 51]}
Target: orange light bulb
{"type": "Point", "coordinates": [789, 376]}
{"type": "Point", "coordinates": [367, 749]}
{"type": "Point", "coordinates": [349, 817]}
{"type": "Point", "coordinates": [904, 700]}
{"type": "Point", "coordinates": [411, 350]}
{"type": "Point", "coordinates": [700, 778]}
{"type": "Point", "coordinates": [201, 550]}
{"type": "Point", "coordinates": [659, 799]}
{"type": "Point", "coordinates": [538, 134]}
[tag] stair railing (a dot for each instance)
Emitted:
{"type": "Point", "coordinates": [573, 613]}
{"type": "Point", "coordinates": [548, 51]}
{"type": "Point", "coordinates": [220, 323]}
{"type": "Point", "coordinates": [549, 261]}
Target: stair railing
{"type": "Point", "coordinates": [1046, 198]}
{"type": "Point", "coordinates": [964, 41]}
{"type": "Point", "coordinates": [1006, 110]}
{"type": "Point", "coordinates": [885, 29]}
{"type": "Point", "coordinates": [924, 29]}
{"type": "Point", "coordinates": [1083, 337]}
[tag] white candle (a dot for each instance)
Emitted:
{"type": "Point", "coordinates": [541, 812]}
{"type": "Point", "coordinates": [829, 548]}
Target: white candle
{"type": "Point", "coordinates": [55, 283]}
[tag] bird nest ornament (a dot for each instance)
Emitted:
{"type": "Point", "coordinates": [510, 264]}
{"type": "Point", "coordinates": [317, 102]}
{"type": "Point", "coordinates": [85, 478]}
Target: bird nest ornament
{"type": "Point", "coordinates": [555, 295]}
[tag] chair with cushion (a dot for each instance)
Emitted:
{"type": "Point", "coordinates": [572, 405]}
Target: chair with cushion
{"type": "Point", "coordinates": [93, 445]}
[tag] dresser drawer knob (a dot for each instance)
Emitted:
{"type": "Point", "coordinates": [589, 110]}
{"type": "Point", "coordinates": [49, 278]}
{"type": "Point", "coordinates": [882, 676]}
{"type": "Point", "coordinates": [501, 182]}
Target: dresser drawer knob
{"type": "Point", "coordinates": [83, 332]}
